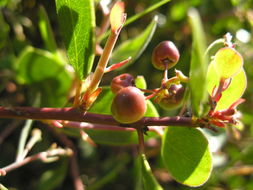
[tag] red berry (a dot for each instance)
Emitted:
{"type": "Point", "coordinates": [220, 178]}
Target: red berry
{"type": "Point", "coordinates": [121, 81]}
{"type": "Point", "coordinates": [165, 53]}
{"type": "Point", "coordinates": [174, 99]}
{"type": "Point", "coordinates": [129, 105]}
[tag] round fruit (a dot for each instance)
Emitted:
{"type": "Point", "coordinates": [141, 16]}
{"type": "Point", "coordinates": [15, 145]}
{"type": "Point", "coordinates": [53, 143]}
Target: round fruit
{"type": "Point", "coordinates": [165, 53]}
{"type": "Point", "coordinates": [121, 81]}
{"type": "Point", "coordinates": [129, 105]}
{"type": "Point", "coordinates": [174, 99]}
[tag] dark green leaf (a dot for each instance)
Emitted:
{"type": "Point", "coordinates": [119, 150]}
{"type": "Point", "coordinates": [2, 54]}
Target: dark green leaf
{"type": "Point", "coordinates": [115, 138]}
{"type": "Point", "coordinates": [186, 155]}
{"type": "Point", "coordinates": [53, 178]}
{"type": "Point", "coordinates": [46, 30]}
{"type": "Point", "coordinates": [198, 68]}
{"type": "Point", "coordinates": [134, 47]}
{"type": "Point", "coordinates": [148, 179]}
{"type": "Point", "coordinates": [77, 22]}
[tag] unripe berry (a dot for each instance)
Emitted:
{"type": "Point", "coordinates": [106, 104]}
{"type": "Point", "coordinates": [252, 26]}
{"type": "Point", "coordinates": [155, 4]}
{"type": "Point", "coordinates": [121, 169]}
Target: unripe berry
{"type": "Point", "coordinates": [174, 98]}
{"type": "Point", "coordinates": [121, 81]}
{"type": "Point", "coordinates": [165, 53]}
{"type": "Point", "coordinates": [129, 105]}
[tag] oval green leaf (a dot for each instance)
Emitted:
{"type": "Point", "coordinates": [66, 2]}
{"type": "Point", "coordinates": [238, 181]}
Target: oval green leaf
{"type": "Point", "coordinates": [77, 23]}
{"type": "Point", "coordinates": [227, 62]}
{"type": "Point", "coordinates": [198, 68]}
{"type": "Point", "coordinates": [148, 179]}
{"type": "Point", "coordinates": [134, 47]}
{"type": "Point", "coordinates": [232, 93]}
{"type": "Point", "coordinates": [32, 68]}
{"type": "Point", "coordinates": [186, 155]}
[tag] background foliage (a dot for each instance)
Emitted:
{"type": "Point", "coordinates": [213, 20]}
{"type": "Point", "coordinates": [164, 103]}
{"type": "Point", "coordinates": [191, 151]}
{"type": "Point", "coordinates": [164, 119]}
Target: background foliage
{"type": "Point", "coordinates": [112, 167]}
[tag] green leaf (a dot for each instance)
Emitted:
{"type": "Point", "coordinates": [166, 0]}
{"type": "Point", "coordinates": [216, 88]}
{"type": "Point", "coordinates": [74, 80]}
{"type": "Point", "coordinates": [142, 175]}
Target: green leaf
{"type": "Point", "coordinates": [227, 62]}
{"type": "Point", "coordinates": [139, 15]}
{"type": "Point", "coordinates": [77, 23]}
{"type": "Point", "coordinates": [112, 173]}
{"type": "Point", "coordinates": [134, 47]}
{"type": "Point", "coordinates": [114, 138]}
{"type": "Point", "coordinates": [54, 177]}
{"type": "Point", "coordinates": [198, 68]}
{"type": "Point", "coordinates": [140, 82]}
{"type": "Point", "coordinates": [32, 68]}
{"type": "Point", "coordinates": [46, 30]}
{"type": "Point", "coordinates": [186, 155]}
{"type": "Point", "coordinates": [148, 179]}
{"type": "Point", "coordinates": [33, 65]}
{"type": "Point", "coordinates": [232, 93]}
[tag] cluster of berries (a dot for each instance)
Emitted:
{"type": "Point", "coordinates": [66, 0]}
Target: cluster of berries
{"type": "Point", "coordinates": [129, 104]}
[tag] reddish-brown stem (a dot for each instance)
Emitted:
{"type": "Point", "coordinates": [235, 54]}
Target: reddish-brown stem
{"type": "Point", "coordinates": [89, 126]}
{"type": "Point", "coordinates": [73, 114]}
{"type": "Point", "coordinates": [75, 173]}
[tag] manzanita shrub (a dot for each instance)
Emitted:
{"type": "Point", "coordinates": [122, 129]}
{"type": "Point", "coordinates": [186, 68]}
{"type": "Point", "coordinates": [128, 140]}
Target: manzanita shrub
{"type": "Point", "coordinates": [124, 112]}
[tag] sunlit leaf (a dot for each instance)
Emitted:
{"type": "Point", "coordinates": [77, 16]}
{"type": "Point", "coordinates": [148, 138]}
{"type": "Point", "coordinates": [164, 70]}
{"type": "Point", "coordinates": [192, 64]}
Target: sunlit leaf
{"type": "Point", "coordinates": [77, 23]}
{"type": "Point", "coordinates": [148, 179]}
{"type": "Point", "coordinates": [186, 155]}
{"type": "Point", "coordinates": [134, 47]}
{"type": "Point", "coordinates": [232, 93]}
{"type": "Point", "coordinates": [140, 82]}
{"type": "Point", "coordinates": [227, 62]}
{"type": "Point", "coordinates": [198, 66]}
{"type": "Point", "coordinates": [116, 15]}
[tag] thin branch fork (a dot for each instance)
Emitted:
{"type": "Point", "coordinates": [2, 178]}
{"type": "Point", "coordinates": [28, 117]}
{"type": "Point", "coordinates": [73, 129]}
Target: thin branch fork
{"type": "Point", "coordinates": [75, 114]}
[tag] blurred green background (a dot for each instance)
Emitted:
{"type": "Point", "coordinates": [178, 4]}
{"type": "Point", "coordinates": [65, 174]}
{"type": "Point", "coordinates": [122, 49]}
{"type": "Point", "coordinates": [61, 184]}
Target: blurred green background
{"type": "Point", "coordinates": [114, 167]}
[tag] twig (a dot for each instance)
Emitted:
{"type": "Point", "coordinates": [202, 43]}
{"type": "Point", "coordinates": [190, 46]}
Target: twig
{"type": "Point", "coordinates": [36, 137]}
{"type": "Point", "coordinates": [43, 156]}
{"type": "Point", "coordinates": [72, 114]}
{"type": "Point", "coordinates": [75, 173]}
